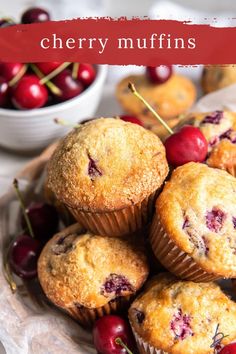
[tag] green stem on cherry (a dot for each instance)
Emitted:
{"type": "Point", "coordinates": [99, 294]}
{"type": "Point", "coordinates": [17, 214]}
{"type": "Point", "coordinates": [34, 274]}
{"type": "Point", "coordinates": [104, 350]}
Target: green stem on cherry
{"type": "Point", "coordinates": [8, 277]}
{"type": "Point", "coordinates": [137, 94]}
{"type": "Point", "coordinates": [18, 76]}
{"type": "Point", "coordinates": [54, 73]}
{"type": "Point", "coordinates": [75, 70]}
{"type": "Point", "coordinates": [53, 88]}
{"type": "Point", "coordinates": [22, 204]}
{"type": "Point", "coordinates": [120, 342]}
{"type": "Point", "coordinates": [65, 123]}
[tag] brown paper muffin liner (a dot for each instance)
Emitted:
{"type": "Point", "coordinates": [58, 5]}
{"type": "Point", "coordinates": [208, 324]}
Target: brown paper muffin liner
{"type": "Point", "coordinates": [87, 316]}
{"type": "Point", "coordinates": [118, 222]}
{"type": "Point", "coordinates": [144, 347]}
{"type": "Point", "coordinates": [173, 258]}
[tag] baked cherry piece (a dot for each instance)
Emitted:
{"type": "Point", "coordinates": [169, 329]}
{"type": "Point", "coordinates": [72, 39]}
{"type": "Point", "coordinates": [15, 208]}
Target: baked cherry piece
{"type": "Point", "coordinates": [159, 74]}
{"type": "Point", "coordinates": [229, 349]}
{"type": "Point", "coordinates": [10, 70]}
{"type": "Point", "coordinates": [35, 14]}
{"type": "Point", "coordinates": [186, 145]}
{"type": "Point", "coordinates": [86, 74]}
{"type": "Point", "coordinates": [4, 92]}
{"type": "Point", "coordinates": [43, 219]}
{"type": "Point", "coordinates": [69, 87]}
{"type": "Point", "coordinates": [23, 256]}
{"type": "Point", "coordinates": [107, 330]}
{"type": "Point", "coordinates": [47, 67]}
{"type": "Point", "coordinates": [131, 119]}
{"type": "Point", "coordinates": [29, 93]}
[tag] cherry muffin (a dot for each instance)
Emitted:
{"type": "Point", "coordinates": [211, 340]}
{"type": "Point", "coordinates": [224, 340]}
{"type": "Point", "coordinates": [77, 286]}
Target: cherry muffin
{"type": "Point", "coordinates": [216, 77]}
{"type": "Point", "coordinates": [170, 99]}
{"type": "Point", "coordinates": [219, 128]}
{"type": "Point", "coordinates": [108, 173]}
{"type": "Point", "coordinates": [193, 233]}
{"type": "Point", "coordinates": [180, 317]}
{"type": "Point", "coordinates": [88, 275]}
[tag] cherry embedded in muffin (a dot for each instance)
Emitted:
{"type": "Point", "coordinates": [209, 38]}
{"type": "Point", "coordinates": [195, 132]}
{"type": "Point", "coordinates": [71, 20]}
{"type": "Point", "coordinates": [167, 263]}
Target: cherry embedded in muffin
{"type": "Point", "coordinates": [213, 118]}
{"type": "Point", "coordinates": [215, 219]}
{"type": "Point", "coordinates": [93, 170]}
{"type": "Point", "coordinates": [181, 325]}
{"type": "Point", "coordinates": [116, 284]}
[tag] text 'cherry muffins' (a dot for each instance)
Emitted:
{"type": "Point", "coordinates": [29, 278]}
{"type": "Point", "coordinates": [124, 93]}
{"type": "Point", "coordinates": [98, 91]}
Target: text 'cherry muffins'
{"type": "Point", "coordinates": [88, 275]}
{"type": "Point", "coordinates": [182, 317]}
{"type": "Point", "coordinates": [108, 173]}
{"type": "Point", "coordinates": [193, 233]}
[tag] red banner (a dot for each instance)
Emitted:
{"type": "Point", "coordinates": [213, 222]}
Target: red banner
{"type": "Point", "coordinates": [120, 41]}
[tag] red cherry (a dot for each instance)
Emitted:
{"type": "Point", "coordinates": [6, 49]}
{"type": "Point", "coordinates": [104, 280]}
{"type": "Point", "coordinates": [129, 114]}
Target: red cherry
{"type": "Point", "coordinates": [105, 332]}
{"type": "Point", "coordinates": [229, 349]}
{"type": "Point", "coordinates": [159, 74]}
{"type": "Point", "coordinates": [43, 219]}
{"type": "Point", "coordinates": [47, 67]}
{"type": "Point", "coordinates": [4, 92]}
{"type": "Point", "coordinates": [131, 119]}
{"type": "Point", "coordinates": [10, 70]}
{"type": "Point", "coordinates": [23, 256]}
{"type": "Point", "coordinates": [188, 144]}
{"type": "Point", "coordinates": [69, 87]}
{"type": "Point", "coordinates": [35, 14]}
{"type": "Point", "coordinates": [29, 93]}
{"type": "Point", "coordinates": [86, 74]}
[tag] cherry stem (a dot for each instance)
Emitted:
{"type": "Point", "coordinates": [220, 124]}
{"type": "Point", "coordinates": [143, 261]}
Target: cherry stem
{"type": "Point", "coordinates": [54, 73]}
{"type": "Point", "coordinates": [18, 76]}
{"type": "Point", "coordinates": [75, 70]}
{"type": "Point", "coordinates": [137, 94]}
{"type": "Point", "coordinates": [120, 342]}
{"type": "Point", "coordinates": [65, 123]}
{"type": "Point", "coordinates": [22, 204]}
{"type": "Point", "coordinates": [53, 88]}
{"type": "Point", "coordinates": [8, 277]}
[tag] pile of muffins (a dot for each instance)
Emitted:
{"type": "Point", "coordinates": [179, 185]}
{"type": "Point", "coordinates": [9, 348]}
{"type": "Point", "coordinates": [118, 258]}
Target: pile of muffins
{"type": "Point", "coordinates": [111, 177]}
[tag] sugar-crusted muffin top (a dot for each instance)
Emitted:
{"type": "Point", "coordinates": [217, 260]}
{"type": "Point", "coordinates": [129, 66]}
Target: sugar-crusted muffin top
{"type": "Point", "coordinates": [183, 317]}
{"type": "Point", "coordinates": [197, 210]}
{"type": "Point", "coordinates": [170, 99]}
{"type": "Point", "coordinates": [90, 270]}
{"type": "Point", "coordinates": [107, 164]}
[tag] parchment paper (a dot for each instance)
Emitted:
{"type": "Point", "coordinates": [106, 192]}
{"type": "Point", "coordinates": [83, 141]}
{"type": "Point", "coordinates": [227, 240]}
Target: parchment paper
{"type": "Point", "coordinates": [29, 325]}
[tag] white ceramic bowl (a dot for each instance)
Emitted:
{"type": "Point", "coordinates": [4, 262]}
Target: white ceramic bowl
{"type": "Point", "coordinates": [31, 131]}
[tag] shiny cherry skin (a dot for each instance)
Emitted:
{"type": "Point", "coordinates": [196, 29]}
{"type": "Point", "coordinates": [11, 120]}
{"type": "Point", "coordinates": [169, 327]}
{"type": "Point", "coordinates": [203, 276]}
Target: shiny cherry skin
{"type": "Point", "coordinates": [43, 219]}
{"type": "Point", "coordinates": [29, 93]}
{"type": "Point", "coordinates": [10, 70]}
{"type": "Point", "coordinates": [131, 119]}
{"type": "Point", "coordinates": [23, 256]}
{"type": "Point", "coordinates": [69, 87]}
{"type": "Point", "coordinates": [105, 332]}
{"type": "Point", "coordinates": [47, 67]}
{"type": "Point", "coordinates": [35, 14]}
{"type": "Point", "coordinates": [186, 145]}
{"type": "Point", "coordinates": [159, 74]}
{"type": "Point", "coordinates": [86, 74]}
{"type": "Point", "coordinates": [229, 349]}
{"type": "Point", "coordinates": [4, 92]}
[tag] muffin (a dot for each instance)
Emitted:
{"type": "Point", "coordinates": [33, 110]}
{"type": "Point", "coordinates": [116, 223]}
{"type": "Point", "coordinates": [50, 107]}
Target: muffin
{"type": "Point", "coordinates": [216, 77]}
{"type": "Point", "coordinates": [193, 233]}
{"type": "Point", "coordinates": [63, 211]}
{"type": "Point", "coordinates": [108, 173]}
{"type": "Point", "coordinates": [182, 317]}
{"type": "Point", "coordinates": [219, 128]}
{"type": "Point", "coordinates": [170, 99]}
{"type": "Point", "coordinates": [88, 275]}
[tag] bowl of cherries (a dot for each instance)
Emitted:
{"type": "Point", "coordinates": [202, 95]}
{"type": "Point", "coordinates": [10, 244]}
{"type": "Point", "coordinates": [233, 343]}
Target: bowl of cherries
{"type": "Point", "coordinates": [35, 95]}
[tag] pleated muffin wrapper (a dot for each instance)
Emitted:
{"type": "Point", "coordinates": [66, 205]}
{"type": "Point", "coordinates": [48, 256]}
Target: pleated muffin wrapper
{"type": "Point", "coordinates": [231, 170]}
{"type": "Point", "coordinates": [87, 316]}
{"type": "Point", "coordinates": [173, 258]}
{"type": "Point", "coordinates": [144, 347]}
{"type": "Point", "coordinates": [118, 222]}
